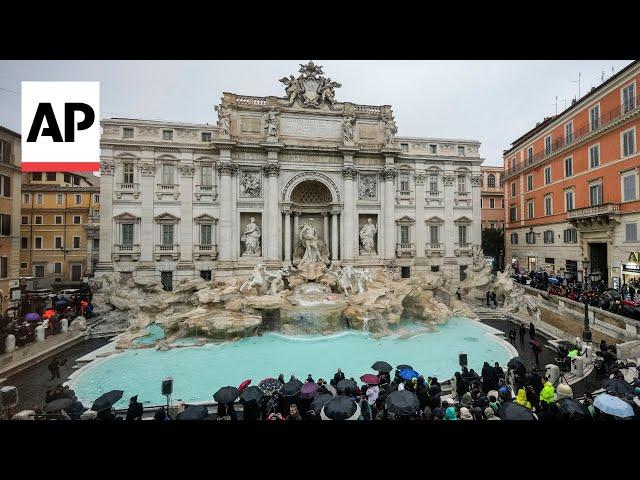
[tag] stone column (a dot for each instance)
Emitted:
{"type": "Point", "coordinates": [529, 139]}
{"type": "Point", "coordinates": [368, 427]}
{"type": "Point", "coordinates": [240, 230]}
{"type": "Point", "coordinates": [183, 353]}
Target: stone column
{"type": "Point", "coordinates": [296, 229]}
{"type": "Point", "coordinates": [226, 170]}
{"type": "Point", "coordinates": [334, 236]}
{"type": "Point", "coordinates": [272, 250]}
{"type": "Point", "coordinates": [287, 236]}
{"type": "Point", "coordinates": [147, 227]}
{"type": "Point", "coordinates": [349, 212]}
{"type": "Point", "coordinates": [186, 212]}
{"type": "Point", "coordinates": [476, 198]}
{"type": "Point", "coordinates": [325, 217]}
{"type": "Point", "coordinates": [107, 237]}
{"type": "Point", "coordinates": [450, 237]}
{"type": "Point", "coordinates": [420, 225]}
{"type": "Point", "coordinates": [389, 174]}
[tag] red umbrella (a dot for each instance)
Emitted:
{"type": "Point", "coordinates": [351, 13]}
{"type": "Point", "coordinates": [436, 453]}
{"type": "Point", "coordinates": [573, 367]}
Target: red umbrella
{"type": "Point", "coordinates": [536, 342]}
{"type": "Point", "coordinates": [370, 379]}
{"type": "Point", "coordinates": [244, 385]}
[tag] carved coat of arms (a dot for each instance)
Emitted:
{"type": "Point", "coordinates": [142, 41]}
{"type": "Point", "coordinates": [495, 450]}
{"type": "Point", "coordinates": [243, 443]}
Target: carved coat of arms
{"type": "Point", "coordinates": [311, 88]}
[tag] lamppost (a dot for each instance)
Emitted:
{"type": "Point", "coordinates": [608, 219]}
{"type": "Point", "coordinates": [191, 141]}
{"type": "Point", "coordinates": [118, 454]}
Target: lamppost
{"type": "Point", "coordinates": [585, 265]}
{"type": "Point", "coordinates": [586, 333]}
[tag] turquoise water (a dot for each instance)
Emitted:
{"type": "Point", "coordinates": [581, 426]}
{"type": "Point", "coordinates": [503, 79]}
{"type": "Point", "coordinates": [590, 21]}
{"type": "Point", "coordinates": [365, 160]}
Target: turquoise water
{"type": "Point", "coordinates": [155, 333]}
{"type": "Point", "coordinates": [199, 371]}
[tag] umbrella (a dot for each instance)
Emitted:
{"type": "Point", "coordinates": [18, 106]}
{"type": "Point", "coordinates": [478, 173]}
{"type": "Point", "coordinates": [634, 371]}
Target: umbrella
{"type": "Point", "coordinates": [340, 408]}
{"type": "Point", "coordinates": [553, 281]}
{"type": "Point", "coordinates": [59, 404]}
{"type": "Point", "coordinates": [346, 386]}
{"type": "Point", "coordinates": [516, 363]}
{"type": "Point", "coordinates": [48, 314]}
{"type": "Point", "coordinates": [292, 388]}
{"type": "Point", "coordinates": [535, 342]}
{"type": "Point", "coordinates": [226, 395]}
{"type": "Point", "coordinates": [613, 406]}
{"type": "Point", "coordinates": [244, 385]}
{"type": "Point", "coordinates": [402, 402]}
{"type": "Point", "coordinates": [573, 409]}
{"type": "Point", "coordinates": [404, 367]}
{"type": "Point", "coordinates": [409, 373]}
{"type": "Point", "coordinates": [32, 317]}
{"type": "Point", "coordinates": [370, 379]}
{"type": "Point", "coordinates": [107, 400]}
{"type": "Point", "coordinates": [618, 386]}
{"type": "Point", "coordinates": [331, 389]}
{"type": "Point", "coordinates": [251, 394]}
{"type": "Point", "coordinates": [61, 302]}
{"type": "Point", "coordinates": [309, 390]}
{"type": "Point", "coordinates": [514, 411]}
{"type": "Point", "coordinates": [75, 410]}
{"type": "Point", "coordinates": [381, 366]}
{"type": "Point", "coordinates": [269, 386]}
{"type": "Point", "coordinates": [320, 401]}
{"type": "Point", "coordinates": [193, 412]}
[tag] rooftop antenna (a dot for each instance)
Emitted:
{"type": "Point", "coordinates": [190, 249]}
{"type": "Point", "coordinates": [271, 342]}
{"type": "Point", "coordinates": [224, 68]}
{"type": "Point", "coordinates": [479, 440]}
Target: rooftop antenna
{"type": "Point", "coordinates": [602, 76]}
{"type": "Point", "coordinates": [578, 82]}
{"type": "Point", "coordinates": [556, 104]}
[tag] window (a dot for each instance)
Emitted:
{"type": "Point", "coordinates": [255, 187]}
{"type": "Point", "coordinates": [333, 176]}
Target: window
{"type": "Point", "coordinates": [513, 189]}
{"type": "Point", "coordinates": [514, 238]}
{"type": "Point", "coordinates": [206, 136]}
{"type": "Point", "coordinates": [548, 205]}
{"type": "Point", "coordinates": [530, 209]}
{"type": "Point", "coordinates": [462, 184]}
{"type": "Point", "coordinates": [568, 133]}
{"type": "Point", "coordinates": [166, 278]}
{"type": "Point", "coordinates": [595, 194]}
{"type": "Point", "coordinates": [26, 198]}
{"type": "Point", "coordinates": [168, 174]}
{"type": "Point", "coordinates": [434, 149]}
{"type": "Point", "coordinates": [462, 235]}
{"type": "Point", "coordinates": [529, 182]}
{"type": "Point", "coordinates": [594, 156]}
{"type": "Point", "coordinates": [628, 98]}
{"type": "Point", "coordinates": [547, 145]}
{"type": "Point", "coordinates": [167, 134]}
{"type": "Point", "coordinates": [24, 264]}
{"type": "Point", "coordinates": [461, 151]}
{"type": "Point", "coordinates": [38, 271]}
{"type": "Point", "coordinates": [59, 199]}
{"type": "Point", "coordinates": [492, 203]}
{"type": "Point", "coordinates": [629, 142]}
{"type": "Point", "coordinates": [631, 232]}
{"type": "Point", "coordinates": [463, 272]}
{"type": "Point", "coordinates": [127, 132]}
{"type": "Point", "coordinates": [58, 220]}
{"type": "Point", "coordinates": [547, 175]}
{"type": "Point", "coordinates": [96, 244]}
{"type": "Point", "coordinates": [503, 203]}
{"type": "Point", "coordinates": [96, 198]}
{"type": "Point", "coordinates": [39, 199]}
{"type": "Point", "coordinates": [57, 267]}
{"type": "Point", "coordinates": [404, 182]}
{"type": "Point", "coordinates": [5, 224]}
{"type": "Point", "coordinates": [491, 181]}
{"type": "Point", "coordinates": [38, 220]}
{"type": "Point", "coordinates": [433, 183]}
{"type": "Point", "coordinates": [78, 199]}
{"type": "Point", "coordinates": [570, 235]}
{"type": "Point", "coordinates": [5, 185]}
{"type": "Point", "coordinates": [127, 171]}
{"type": "Point", "coordinates": [24, 242]}
{"type": "Point", "coordinates": [629, 187]}
{"type": "Point", "coordinates": [568, 200]}
{"type": "Point", "coordinates": [127, 233]}
{"type": "Point", "coordinates": [492, 225]}
{"type": "Point", "coordinates": [167, 234]}
{"type": "Point", "coordinates": [548, 236]}
{"type": "Point", "coordinates": [404, 234]}
{"type": "Point", "coordinates": [205, 274]}
{"type": "Point", "coordinates": [57, 242]}
{"type": "Point", "coordinates": [513, 213]}
{"type": "Point", "coordinates": [404, 147]}
{"type": "Point", "coordinates": [568, 167]}
{"type": "Point", "coordinates": [530, 155]}
{"type": "Point", "coordinates": [5, 153]}
{"type": "Point", "coordinates": [25, 220]}
{"type": "Point", "coordinates": [76, 242]}
{"type": "Point", "coordinates": [76, 180]}
{"type": "Point", "coordinates": [513, 164]}
{"type": "Point", "coordinates": [206, 174]}
{"type": "Point", "coordinates": [36, 176]}
{"type": "Point", "coordinates": [77, 219]}
{"type": "Point", "coordinates": [435, 268]}
{"type": "Point", "coordinates": [37, 243]}
{"type": "Point", "coordinates": [4, 267]}
{"type": "Point", "coordinates": [51, 176]}
{"type": "Point", "coordinates": [530, 237]}
{"type": "Point", "coordinates": [205, 234]}
{"type": "Point", "coordinates": [594, 117]}
{"type": "Point", "coordinates": [67, 178]}
{"type": "Point", "coordinates": [433, 234]}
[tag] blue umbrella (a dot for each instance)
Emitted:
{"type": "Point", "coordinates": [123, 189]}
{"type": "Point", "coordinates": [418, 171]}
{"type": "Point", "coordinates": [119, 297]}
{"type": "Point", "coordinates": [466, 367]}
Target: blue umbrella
{"type": "Point", "coordinates": [553, 280]}
{"type": "Point", "coordinates": [613, 406]}
{"type": "Point", "coordinates": [409, 373]}
{"type": "Point", "coordinates": [32, 317]}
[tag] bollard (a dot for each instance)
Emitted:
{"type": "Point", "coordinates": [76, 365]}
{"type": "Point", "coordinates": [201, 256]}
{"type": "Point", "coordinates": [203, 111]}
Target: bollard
{"type": "Point", "coordinates": [553, 372]}
{"type": "Point", "coordinates": [10, 343]}
{"type": "Point", "coordinates": [64, 325]}
{"type": "Point", "coordinates": [577, 366]}
{"type": "Point", "coordinates": [39, 333]}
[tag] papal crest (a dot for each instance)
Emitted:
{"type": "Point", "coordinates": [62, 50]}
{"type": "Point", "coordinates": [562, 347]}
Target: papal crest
{"type": "Point", "coordinates": [311, 88]}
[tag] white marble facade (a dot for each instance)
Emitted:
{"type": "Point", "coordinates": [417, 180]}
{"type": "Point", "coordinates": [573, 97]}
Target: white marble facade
{"type": "Point", "coordinates": [177, 198]}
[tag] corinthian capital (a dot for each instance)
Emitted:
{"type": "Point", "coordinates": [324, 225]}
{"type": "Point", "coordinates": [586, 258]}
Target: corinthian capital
{"type": "Point", "coordinates": [349, 172]}
{"type": "Point", "coordinates": [107, 168]}
{"type": "Point", "coordinates": [271, 169]}
{"type": "Point", "coordinates": [227, 168]}
{"type": "Point", "coordinates": [389, 173]}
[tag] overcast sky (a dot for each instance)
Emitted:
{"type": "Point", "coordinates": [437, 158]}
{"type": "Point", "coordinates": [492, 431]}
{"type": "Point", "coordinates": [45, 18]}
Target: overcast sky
{"type": "Point", "coordinates": [491, 101]}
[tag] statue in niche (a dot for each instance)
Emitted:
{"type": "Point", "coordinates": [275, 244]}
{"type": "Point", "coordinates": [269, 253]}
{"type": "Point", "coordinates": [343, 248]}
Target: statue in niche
{"type": "Point", "coordinates": [272, 124]}
{"type": "Point", "coordinates": [251, 238]}
{"type": "Point", "coordinates": [368, 187]}
{"type": "Point", "coordinates": [368, 238]}
{"type": "Point", "coordinates": [310, 248]}
{"type": "Point", "coordinates": [224, 120]}
{"type": "Point", "coordinates": [250, 184]}
{"type": "Point", "coordinates": [347, 128]}
{"type": "Point", "coordinates": [390, 129]}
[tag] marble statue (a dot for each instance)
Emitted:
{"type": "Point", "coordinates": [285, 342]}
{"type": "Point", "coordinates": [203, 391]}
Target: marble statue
{"type": "Point", "coordinates": [250, 184]}
{"type": "Point", "coordinates": [310, 87]}
{"type": "Point", "coordinates": [264, 281]}
{"type": "Point", "coordinates": [251, 238]}
{"type": "Point", "coordinates": [390, 129]}
{"type": "Point", "coordinates": [272, 124]}
{"type": "Point", "coordinates": [309, 240]}
{"type": "Point", "coordinates": [224, 120]}
{"type": "Point", "coordinates": [328, 93]}
{"type": "Point", "coordinates": [367, 188]}
{"type": "Point", "coordinates": [355, 279]}
{"type": "Point", "coordinates": [347, 128]}
{"type": "Point", "coordinates": [367, 238]}
{"type": "Point", "coordinates": [292, 89]}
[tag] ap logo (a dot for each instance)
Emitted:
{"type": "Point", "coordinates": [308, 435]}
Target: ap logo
{"type": "Point", "coordinates": [60, 126]}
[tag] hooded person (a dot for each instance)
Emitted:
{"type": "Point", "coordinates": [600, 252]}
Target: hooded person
{"type": "Point", "coordinates": [489, 378]}
{"type": "Point", "coordinates": [462, 386]}
{"type": "Point", "coordinates": [490, 414]}
{"type": "Point", "coordinates": [467, 400]}
{"type": "Point", "coordinates": [521, 399]}
{"type": "Point", "coordinates": [547, 394]}
{"type": "Point", "coordinates": [450, 414]}
{"type": "Point", "coordinates": [465, 414]}
{"type": "Point", "coordinates": [135, 410]}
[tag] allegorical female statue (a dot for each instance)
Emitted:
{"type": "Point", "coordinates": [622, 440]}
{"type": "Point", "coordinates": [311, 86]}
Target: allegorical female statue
{"type": "Point", "coordinates": [310, 242]}
{"type": "Point", "coordinates": [367, 237]}
{"type": "Point", "coordinates": [251, 238]}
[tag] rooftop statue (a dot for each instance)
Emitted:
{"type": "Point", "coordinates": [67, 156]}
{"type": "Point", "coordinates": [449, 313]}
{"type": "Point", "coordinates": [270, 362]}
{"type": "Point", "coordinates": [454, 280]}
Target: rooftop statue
{"type": "Point", "coordinates": [311, 88]}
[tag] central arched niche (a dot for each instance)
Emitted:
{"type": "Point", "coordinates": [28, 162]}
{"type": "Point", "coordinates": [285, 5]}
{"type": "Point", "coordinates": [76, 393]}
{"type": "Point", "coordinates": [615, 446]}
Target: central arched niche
{"type": "Point", "coordinates": [311, 192]}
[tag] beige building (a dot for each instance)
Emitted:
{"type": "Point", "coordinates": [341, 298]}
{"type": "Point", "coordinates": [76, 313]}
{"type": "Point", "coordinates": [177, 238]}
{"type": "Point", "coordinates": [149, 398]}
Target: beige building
{"type": "Point", "coordinates": [10, 180]}
{"type": "Point", "coordinates": [59, 228]}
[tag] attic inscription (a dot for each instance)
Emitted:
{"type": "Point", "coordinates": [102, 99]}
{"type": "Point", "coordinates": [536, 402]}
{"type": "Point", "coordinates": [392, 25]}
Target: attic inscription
{"type": "Point", "coordinates": [309, 127]}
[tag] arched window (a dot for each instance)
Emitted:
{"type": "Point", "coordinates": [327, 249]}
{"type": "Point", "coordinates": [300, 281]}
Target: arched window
{"type": "Point", "coordinates": [491, 180]}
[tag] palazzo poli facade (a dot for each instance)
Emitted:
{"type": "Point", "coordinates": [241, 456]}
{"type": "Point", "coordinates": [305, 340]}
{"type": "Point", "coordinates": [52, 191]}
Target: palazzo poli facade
{"type": "Point", "coordinates": [185, 200]}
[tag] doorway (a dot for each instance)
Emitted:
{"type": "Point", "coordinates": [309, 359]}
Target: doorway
{"type": "Point", "coordinates": [598, 265]}
{"type": "Point", "coordinates": [76, 272]}
{"type": "Point", "coordinates": [405, 272]}
{"type": "Point", "coordinates": [166, 278]}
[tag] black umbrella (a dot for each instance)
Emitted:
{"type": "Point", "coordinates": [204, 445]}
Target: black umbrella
{"type": "Point", "coordinates": [402, 402]}
{"type": "Point", "coordinates": [381, 366]}
{"type": "Point", "coordinates": [346, 386]}
{"type": "Point", "coordinates": [340, 408]}
{"type": "Point", "coordinates": [618, 386]}
{"type": "Point", "coordinates": [251, 395]}
{"type": "Point", "coordinates": [226, 395]}
{"type": "Point", "coordinates": [269, 386]}
{"type": "Point", "coordinates": [292, 387]}
{"type": "Point", "coordinates": [193, 412]}
{"type": "Point", "coordinates": [59, 404]}
{"type": "Point", "coordinates": [573, 409]}
{"type": "Point", "coordinates": [320, 401]}
{"type": "Point", "coordinates": [404, 367]}
{"type": "Point", "coordinates": [516, 363]}
{"type": "Point", "coordinates": [514, 411]}
{"type": "Point", "coordinates": [107, 400]}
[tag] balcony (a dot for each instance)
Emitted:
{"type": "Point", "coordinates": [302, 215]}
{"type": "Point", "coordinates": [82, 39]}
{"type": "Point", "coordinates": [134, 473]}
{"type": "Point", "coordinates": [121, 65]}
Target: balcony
{"type": "Point", "coordinates": [405, 196]}
{"type": "Point", "coordinates": [596, 215]}
{"type": "Point", "coordinates": [206, 190]}
{"type": "Point", "coordinates": [167, 189]}
{"type": "Point", "coordinates": [433, 198]}
{"type": "Point", "coordinates": [434, 249]}
{"type": "Point", "coordinates": [405, 249]}
{"type": "Point", "coordinates": [463, 249]}
{"type": "Point", "coordinates": [172, 250]}
{"type": "Point", "coordinates": [202, 250]}
{"type": "Point", "coordinates": [131, 251]}
{"type": "Point", "coordinates": [129, 188]}
{"type": "Point", "coordinates": [462, 199]}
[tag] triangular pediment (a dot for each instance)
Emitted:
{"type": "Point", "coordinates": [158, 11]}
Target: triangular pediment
{"type": "Point", "coordinates": [405, 219]}
{"type": "Point", "coordinates": [205, 218]}
{"type": "Point", "coordinates": [435, 220]}
{"type": "Point", "coordinates": [167, 216]}
{"type": "Point", "coordinates": [126, 217]}
{"type": "Point", "coordinates": [463, 219]}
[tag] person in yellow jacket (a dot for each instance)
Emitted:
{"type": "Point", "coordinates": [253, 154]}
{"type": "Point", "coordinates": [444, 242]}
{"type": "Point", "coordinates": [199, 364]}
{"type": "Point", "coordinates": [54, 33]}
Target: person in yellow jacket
{"type": "Point", "coordinates": [547, 394]}
{"type": "Point", "coordinates": [521, 399]}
